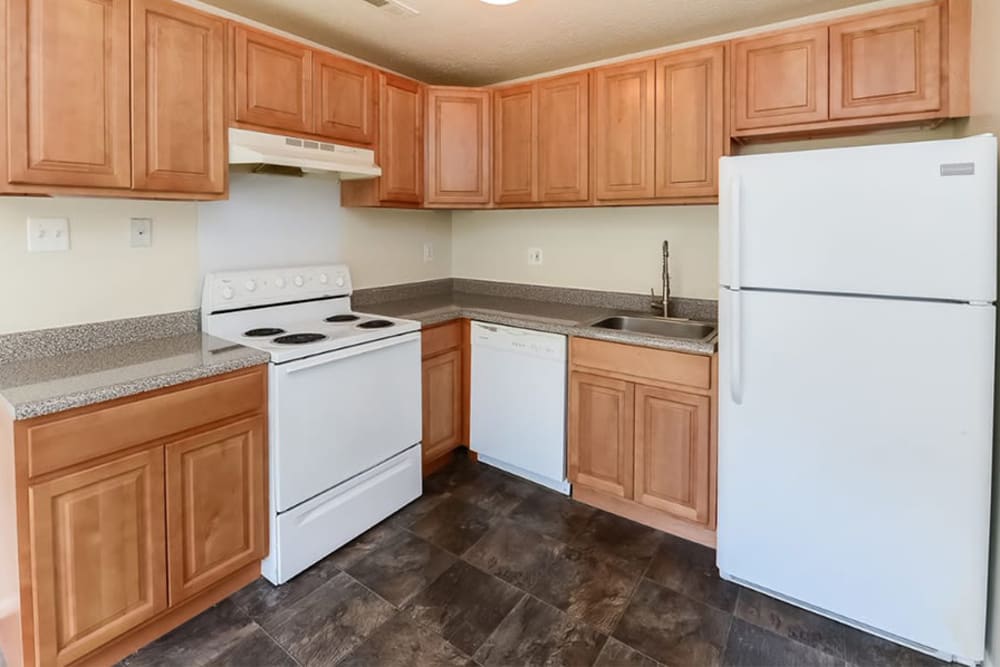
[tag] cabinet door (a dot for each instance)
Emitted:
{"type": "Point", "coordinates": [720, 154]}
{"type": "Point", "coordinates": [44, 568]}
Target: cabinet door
{"type": "Point", "coordinates": [623, 110]}
{"type": "Point", "coordinates": [600, 433]}
{"type": "Point", "coordinates": [690, 122]}
{"type": "Point", "coordinates": [273, 81]}
{"type": "Point", "coordinates": [563, 144]}
{"type": "Point", "coordinates": [216, 505]}
{"type": "Point", "coordinates": [99, 555]}
{"type": "Point", "coordinates": [886, 64]}
{"type": "Point", "coordinates": [442, 404]}
{"type": "Point", "coordinates": [514, 145]}
{"type": "Point", "coordinates": [68, 93]}
{"type": "Point", "coordinates": [781, 79]}
{"type": "Point", "coordinates": [178, 113]}
{"type": "Point", "coordinates": [672, 452]}
{"type": "Point", "coordinates": [458, 146]}
{"type": "Point", "coordinates": [401, 152]}
{"type": "Point", "coordinates": [345, 99]}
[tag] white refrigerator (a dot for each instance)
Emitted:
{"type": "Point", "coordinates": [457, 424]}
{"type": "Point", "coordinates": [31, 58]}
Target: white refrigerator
{"type": "Point", "coordinates": [857, 337]}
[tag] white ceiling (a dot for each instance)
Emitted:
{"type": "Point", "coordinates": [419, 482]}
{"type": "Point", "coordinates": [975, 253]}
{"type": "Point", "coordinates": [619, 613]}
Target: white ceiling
{"type": "Point", "coordinates": [468, 42]}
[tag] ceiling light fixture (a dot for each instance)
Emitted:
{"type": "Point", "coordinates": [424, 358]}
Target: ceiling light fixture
{"type": "Point", "coordinates": [499, 2]}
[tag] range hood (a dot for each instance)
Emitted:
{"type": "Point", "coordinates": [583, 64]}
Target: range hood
{"type": "Point", "coordinates": [260, 148]}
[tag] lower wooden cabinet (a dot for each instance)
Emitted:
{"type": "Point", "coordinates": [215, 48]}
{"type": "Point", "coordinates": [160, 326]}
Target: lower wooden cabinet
{"type": "Point", "coordinates": [445, 412]}
{"type": "Point", "coordinates": [641, 435]}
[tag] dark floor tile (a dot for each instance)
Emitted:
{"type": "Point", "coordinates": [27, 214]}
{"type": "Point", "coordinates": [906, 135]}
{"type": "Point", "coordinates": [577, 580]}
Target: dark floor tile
{"type": "Point", "coordinates": [402, 567]}
{"type": "Point", "coordinates": [261, 596]}
{"type": "Point", "coordinates": [329, 623]}
{"type": "Point", "coordinates": [199, 641]}
{"type": "Point", "coordinates": [403, 643]}
{"type": "Point", "coordinates": [516, 555]}
{"type": "Point", "coordinates": [459, 472]}
{"type": "Point", "coordinates": [552, 514]}
{"type": "Point", "coordinates": [496, 491]}
{"type": "Point", "coordinates": [689, 568]}
{"type": "Point", "coordinates": [750, 646]}
{"type": "Point", "coordinates": [610, 536]}
{"type": "Point", "coordinates": [416, 510]}
{"type": "Point", "coordinates": [536, 634]}
{"type": "Point", "coordinates": [792, 622]}
{"type": "Point", "coordinates": [464, 605]}
{"type": "Point", "coordinates": [673, 629]}
{"type": "Point", "coordinates": [454, 525]}
{"type": "Point", "coordinates": [257, 650]}
{"type": "Point", "coordinates": [362, 546]}
{"type": "Point", "coordinates": [865, 650]}
{"type": "Point", "coordinates": [616, 654]}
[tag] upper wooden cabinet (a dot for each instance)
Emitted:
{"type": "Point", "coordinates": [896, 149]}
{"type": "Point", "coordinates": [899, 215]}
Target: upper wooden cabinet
{"type": "Point", "coordinates": [458, 146]}
{"type": "Point", "coordinates": [273, 81]}
{"type": "Point", "coordinates": [345, 94]}
{"type": "Point", "coordinates": [68, 93]}
{"type": "Point", "coordinates": [623, 114]}
{"type": "Point", "coordinates": [178, 105]}
{"type": "Point", "coordinates": [400, 149]}
{"type": "Point", "coordinates": [690, 122]}
{"type": "Point", "coordinates": [886, 64]}
{"type": "Point", "coordinates": [563, 138]}
{"type": "Point", "coordinates": [781, 79]}
{"type": "Point", "coordinates": [515, 145]}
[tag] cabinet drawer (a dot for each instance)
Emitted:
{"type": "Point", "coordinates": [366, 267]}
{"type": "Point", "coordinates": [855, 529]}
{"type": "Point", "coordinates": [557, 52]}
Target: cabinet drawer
{"type": "Point", "coordinates": [79, 436]}
{"type": "Point", "coordinates": [441, 339]}
{"type": "Point", "coordinates": [642, 362]}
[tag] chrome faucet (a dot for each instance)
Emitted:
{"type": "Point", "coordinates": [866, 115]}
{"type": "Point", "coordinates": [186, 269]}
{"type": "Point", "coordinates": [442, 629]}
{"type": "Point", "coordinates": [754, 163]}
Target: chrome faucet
{"type": "Point", "coordinates": [662, 305]}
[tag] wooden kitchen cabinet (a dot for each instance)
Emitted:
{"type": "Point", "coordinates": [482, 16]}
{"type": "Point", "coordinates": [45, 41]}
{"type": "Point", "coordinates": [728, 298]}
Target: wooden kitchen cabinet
{"type": "Point", "coordinates": [623, 111]}
{"type": "Point", "coordinates": [445, 391]}
{"type": "Point", "coordinates": [459, 135]}
{"type": "Point", "coordinates": [563, 138]}
{"type": "Point", "coordinates": [515, 145]}
{"type": "Point", "coordinates": [178, 105]}
{"type": "Point", "coordinates": [273, 85]}
{"type": "Point", "coordinates": [346, 94]}
{"type": "Point", "coordinates": [99, 551]}
{"type": "Point", "coordinates": [691, 131]}
{"type": "Point", "coordinates": [68, 93]}
{"type": "Point", "coordinates": [641, 435]}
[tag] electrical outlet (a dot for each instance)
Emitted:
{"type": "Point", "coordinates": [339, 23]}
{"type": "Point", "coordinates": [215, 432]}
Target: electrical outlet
{"type": "Point", "coordinates": [142, 232]}
{"type": "Point", "coordinates": [48, 234]}
{"type": "Point", "coordinates": [428, 252]}
{"type": "Point", "coordinates": [535, 256]}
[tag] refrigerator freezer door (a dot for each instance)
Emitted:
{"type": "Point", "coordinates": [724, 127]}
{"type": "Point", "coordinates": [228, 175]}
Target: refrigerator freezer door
{"type": "Point", "coordinates": [854, 464]}
{"type": "Point", "coordinates": [915, 220]}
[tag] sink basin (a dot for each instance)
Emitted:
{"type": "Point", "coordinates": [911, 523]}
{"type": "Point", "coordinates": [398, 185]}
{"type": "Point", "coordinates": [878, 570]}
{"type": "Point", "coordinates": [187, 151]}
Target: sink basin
{"type": "Point", "coordinates": [658, 326]}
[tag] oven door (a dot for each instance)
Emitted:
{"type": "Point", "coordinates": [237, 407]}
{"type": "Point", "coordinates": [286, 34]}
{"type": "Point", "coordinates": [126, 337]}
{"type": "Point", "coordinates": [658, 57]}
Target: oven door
{"type": "Point", "coordinates": [335, 415]}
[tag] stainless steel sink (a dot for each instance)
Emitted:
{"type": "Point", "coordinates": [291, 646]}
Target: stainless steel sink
{"type": "Point", "coordinates": [659, 326]}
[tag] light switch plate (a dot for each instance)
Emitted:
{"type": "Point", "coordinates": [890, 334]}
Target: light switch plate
{"type": "Point", "coordinates": [48, 234]}
{"type": "Point", "coordinates": [428, 252]}
{"type": "Point", "coordinates": [142, 232]}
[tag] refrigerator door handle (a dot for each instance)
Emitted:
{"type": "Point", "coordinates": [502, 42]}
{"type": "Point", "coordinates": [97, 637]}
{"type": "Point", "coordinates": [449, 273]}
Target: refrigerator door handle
{"type": "Point", "coordinates": [736, 234]}
{"type": "Point", "coordinates": [736, 349]}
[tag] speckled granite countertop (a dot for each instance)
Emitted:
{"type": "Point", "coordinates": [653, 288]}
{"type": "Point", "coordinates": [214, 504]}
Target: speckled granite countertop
{"type": "Point", "coordinates": [562, 318]}
{"type": "Point", "coordinates": [51, 384]}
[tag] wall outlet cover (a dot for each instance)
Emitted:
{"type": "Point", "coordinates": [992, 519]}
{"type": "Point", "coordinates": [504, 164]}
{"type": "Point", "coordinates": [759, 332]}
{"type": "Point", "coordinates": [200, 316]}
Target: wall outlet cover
{"type": "Point", "coordinates": [428, 252]}
{"type": "Point", "coordinates": [141, 232]}
{"type": "Point", "coordinates": [48, 234]}
{"type": "Point", "coordinates": [535, 256]}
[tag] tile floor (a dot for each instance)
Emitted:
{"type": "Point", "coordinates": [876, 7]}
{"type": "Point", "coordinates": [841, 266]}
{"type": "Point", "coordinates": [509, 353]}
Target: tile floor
{"type": "Point", "coordinates": [486, 569]}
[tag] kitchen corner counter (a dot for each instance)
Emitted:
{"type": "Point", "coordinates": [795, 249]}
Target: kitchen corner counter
{"type": "Point", "coordinates": [46, 385]}
{"type": "Point", "coordinates": [553, 317]}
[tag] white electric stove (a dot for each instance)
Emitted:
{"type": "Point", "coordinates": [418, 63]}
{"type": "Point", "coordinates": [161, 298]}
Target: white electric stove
{"type": "Point", "coordinates": [344, 405]}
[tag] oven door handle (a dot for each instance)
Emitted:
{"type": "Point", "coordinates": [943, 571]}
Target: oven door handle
{"type": "Point", "coordinates": [364, 348]}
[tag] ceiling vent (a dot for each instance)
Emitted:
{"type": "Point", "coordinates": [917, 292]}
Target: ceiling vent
{"type": "Point", "coordinates": [394, 7]}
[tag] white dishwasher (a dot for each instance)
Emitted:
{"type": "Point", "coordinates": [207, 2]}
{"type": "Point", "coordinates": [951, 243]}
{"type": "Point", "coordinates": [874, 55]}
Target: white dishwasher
{"type": "Point", "coordinates": [518, 412]}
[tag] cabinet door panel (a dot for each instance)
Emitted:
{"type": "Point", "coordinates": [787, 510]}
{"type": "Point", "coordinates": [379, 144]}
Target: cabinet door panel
{"type": "Point", "coordinates": [442, 404]}
{"type": "Point", "coordinates": [401, 153]}
{"type": "Point", "coordinates": [458, 146]}
{"type": "Point", "coordinates": [781, 79]}
{"type": "Point", "coordinates": [273, 81]}
{"type": "Point", "coordinates": [216, 505]}
{"type": "Point", "coordinates": [690, 123]}
{"type": "Point", "coordinates": [600, 433]}
{"type": "Point", "coordinates": [672, 452]}
{"type": "Point", "coordinates": [514, 145]}
{"type": "Point", "coordinates": [68, 90]}
{"type": "Point", "coordinates": [178, 113]}
{"type": "Point", "coordinates": [99, 554]}
{"type": "Point", "coordinates": [345, 99]}
{"type": "Point", "coordinates": [563, 138]}
{"type": "Point", "coordinates": [886, 64]}
{"type": "Point", "coordinates": [624, 110]}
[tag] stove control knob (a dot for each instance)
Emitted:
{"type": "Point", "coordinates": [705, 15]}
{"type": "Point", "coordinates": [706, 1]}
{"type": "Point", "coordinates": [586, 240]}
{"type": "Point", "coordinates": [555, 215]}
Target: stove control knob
{"type": "Point", "coordinates": [299, 281]}
{"type": "Point", "coordinates": [250, 285]}
{"type": "Point", "coordinates": [323, 278]}
{"type": "Point", "coordinates": [340, 281]}
{"type": "Point", "coordinates": [279, 283]}
{"type": "Point", "coordinates": [227, 292]}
